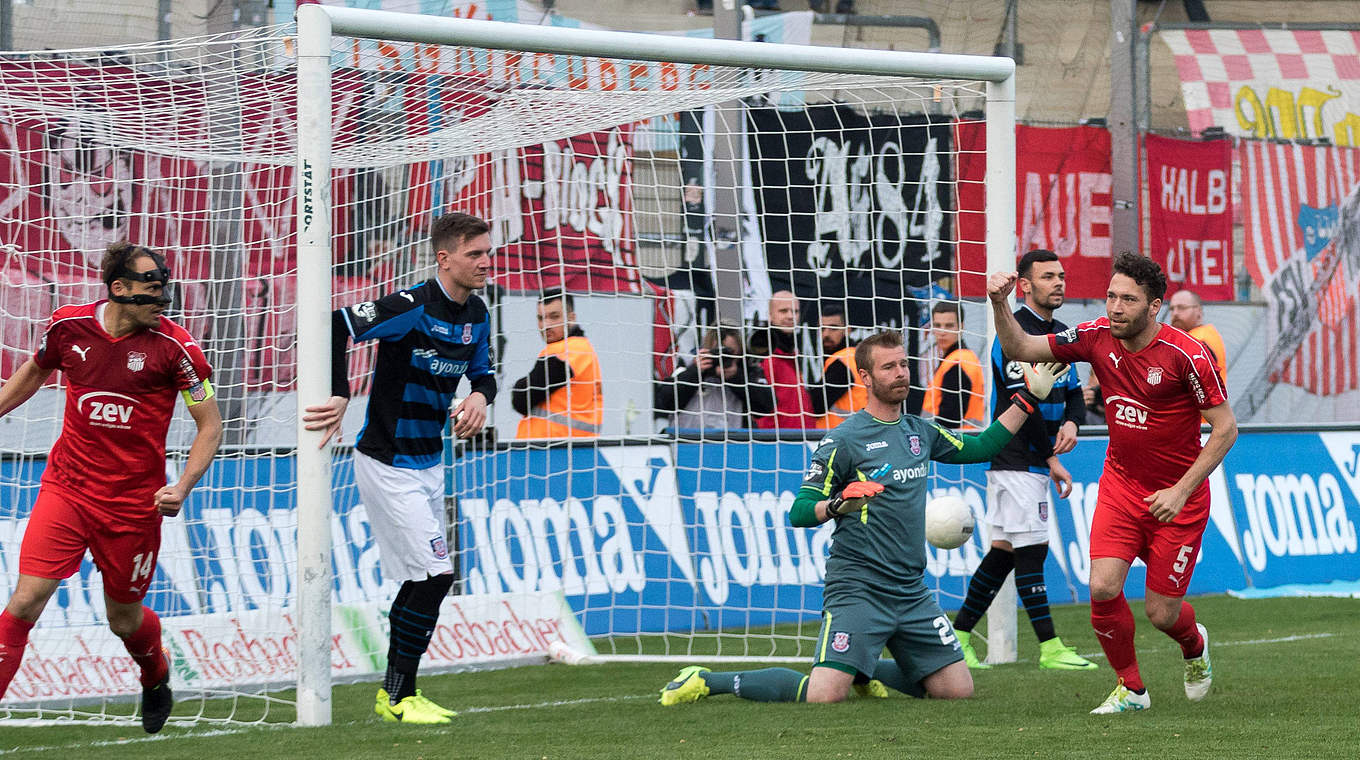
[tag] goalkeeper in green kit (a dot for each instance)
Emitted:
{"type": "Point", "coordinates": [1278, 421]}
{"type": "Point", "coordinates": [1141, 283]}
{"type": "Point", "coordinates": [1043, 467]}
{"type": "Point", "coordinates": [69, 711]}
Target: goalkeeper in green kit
{"type": "Point", "coordinates": [869, 475]}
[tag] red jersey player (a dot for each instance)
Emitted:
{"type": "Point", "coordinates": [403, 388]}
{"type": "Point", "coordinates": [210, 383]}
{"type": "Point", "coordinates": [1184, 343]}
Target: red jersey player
{"type": "Point", "coordinates": [104, 486]}
{"type": "Point", "coordinates": [1154, 501]}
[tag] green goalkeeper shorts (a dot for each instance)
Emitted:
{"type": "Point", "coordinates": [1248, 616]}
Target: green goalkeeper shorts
{"type": "Point", "coordinates": [858, 624]}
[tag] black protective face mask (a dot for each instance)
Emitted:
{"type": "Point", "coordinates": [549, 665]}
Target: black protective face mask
{"type": "Point", "coordinates": [160, 274]}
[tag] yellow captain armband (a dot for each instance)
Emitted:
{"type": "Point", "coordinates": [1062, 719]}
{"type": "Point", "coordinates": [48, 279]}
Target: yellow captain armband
{"type": "Point", "coordinates": [198, 393]}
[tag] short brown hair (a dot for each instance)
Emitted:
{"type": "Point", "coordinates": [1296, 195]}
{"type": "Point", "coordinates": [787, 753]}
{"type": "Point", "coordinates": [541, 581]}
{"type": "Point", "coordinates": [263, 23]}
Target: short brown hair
{"type": "Point", "coordinates": [1144, 271]}
{"type": "Point", "coordinates": [454, 229]}
{"type": "Point", "coordinates": [953, 307]}
{"type": "Point", "coordinates": [864, 352]}
{"type": "Point", "coordinates": [118, 258]}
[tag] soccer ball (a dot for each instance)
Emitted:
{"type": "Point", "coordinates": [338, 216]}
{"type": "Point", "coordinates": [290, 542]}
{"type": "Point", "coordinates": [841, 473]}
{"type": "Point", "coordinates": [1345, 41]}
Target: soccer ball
{"type": "Point", "coordinates": [949, 522]}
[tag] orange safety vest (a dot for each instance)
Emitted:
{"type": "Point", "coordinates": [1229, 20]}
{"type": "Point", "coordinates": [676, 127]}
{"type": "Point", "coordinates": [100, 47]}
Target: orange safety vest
{"type": "Point", "coordinates": [576, 409]}
{"type": "Point", "coordinates": [1209, 336]}
{"type": "Point", "coordinates": [967, 361]}
{"type": "Point", "coordinates": [853, 400]}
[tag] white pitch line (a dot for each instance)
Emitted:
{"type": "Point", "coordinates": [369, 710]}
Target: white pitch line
{"type": "Point", "coordinates": [558, 703]}
{"type": "Point", "coordinates": [277, 726]}
{"type": "Point", "coordinates": [1251, 642]}
{"type": "Point", "coordinates": [139, 739]}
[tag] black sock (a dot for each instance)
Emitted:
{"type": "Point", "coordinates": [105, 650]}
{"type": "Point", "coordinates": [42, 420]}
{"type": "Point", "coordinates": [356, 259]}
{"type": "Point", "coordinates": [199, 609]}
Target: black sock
{"type": "Point", "coordinates": [987, 580]}
{"type": "Point", "coordinates": [412, 619]}
{"type": "Point", "coordinates": [1033, 592]}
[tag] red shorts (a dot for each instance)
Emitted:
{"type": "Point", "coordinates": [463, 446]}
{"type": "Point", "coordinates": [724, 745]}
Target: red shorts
{"type": "Point", "coordinates": [1123, 528]}
{"type": "Point", "coordinates": [61, 529]}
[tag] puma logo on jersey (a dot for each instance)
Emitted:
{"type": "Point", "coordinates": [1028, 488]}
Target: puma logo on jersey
{"type": "Point", "coordinates": [81, 351]}
{"type": "Point", "coordinates": [1115, 359]}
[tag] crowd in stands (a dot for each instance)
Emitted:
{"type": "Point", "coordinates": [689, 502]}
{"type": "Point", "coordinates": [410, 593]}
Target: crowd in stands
{"type": "Point", "coordinates": [755, 379]}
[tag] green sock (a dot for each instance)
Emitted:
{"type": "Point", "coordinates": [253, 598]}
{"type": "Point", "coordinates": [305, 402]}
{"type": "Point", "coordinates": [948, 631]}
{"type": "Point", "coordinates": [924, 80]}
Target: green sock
{"type": "Point", "coordinates": [891, 675]}
{"type": "Point", "coordinates": [768, 685]}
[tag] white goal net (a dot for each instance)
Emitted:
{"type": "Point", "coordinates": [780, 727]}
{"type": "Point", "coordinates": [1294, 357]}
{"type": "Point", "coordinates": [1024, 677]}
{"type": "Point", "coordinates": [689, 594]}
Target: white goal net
{"type": "Point", "coordinates": [666, 189]}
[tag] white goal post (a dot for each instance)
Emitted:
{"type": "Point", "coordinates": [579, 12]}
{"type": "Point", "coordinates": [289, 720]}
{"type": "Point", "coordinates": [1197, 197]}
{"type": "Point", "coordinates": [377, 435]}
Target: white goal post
{"type": "Point", "coordinates": [317, 25]}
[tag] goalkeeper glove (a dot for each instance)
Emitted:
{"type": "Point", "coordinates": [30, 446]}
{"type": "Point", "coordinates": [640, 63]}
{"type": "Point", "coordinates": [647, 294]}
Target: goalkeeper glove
{"type": "Point", "coordinates": [1039, 381]}
{"type": "Point", "coordinates": [853, 497]}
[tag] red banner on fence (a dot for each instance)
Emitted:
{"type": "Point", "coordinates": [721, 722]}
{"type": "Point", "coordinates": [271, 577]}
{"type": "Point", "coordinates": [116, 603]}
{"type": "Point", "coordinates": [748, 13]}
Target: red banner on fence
{"type": "Point", "coordinates": [1063, 202]}
{"type": "Point", "coordinates": [1299, 203]}
{"type": "Point", "coordinates": [1191, 210]}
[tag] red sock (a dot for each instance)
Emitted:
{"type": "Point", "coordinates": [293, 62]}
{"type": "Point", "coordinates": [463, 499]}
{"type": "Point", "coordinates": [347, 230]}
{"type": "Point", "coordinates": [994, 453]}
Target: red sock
{"type": "Point", "coordinates": [13, 640]}
{"type": "Point", "coordinates": [1113, 623]}
{"type": "Point", "coordinates": [145, 647]}
{"type": "Point", "coordinates": [1186, 633]}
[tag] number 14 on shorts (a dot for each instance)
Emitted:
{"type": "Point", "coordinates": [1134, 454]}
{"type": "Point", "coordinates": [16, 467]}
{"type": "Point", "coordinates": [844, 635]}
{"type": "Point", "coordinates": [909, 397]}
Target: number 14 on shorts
{"type": "Point", "coordinates": [142, 565]}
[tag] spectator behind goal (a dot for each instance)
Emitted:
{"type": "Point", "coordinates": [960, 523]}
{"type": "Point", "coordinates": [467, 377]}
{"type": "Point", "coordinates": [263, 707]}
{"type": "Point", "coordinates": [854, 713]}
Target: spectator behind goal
{"type": "Point", "coordinates": [954, 396]}
{"type": "Point", "coordinates": [719, 389]}
{"type": "Point", "coordinates": [561, 397]}
{"type": "Point", "coordinates": [793, 405]}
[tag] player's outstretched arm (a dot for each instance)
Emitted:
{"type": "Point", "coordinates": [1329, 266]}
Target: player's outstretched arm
{"type": "Point", "coordinates": [208, 418]}
{"type": "Point", "coordinates": [1015, 342]}
{"type": "Point", "coordinates": [1039, 381]}
{"type": "Point", "coordinates": [22, 385]}
{"type": "Point", "coordinates": [1168, 502]}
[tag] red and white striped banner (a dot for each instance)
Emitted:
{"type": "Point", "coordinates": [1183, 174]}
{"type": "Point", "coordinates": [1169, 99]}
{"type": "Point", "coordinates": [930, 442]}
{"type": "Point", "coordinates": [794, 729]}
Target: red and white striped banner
{"type": "Point", "coordinates": [1297, 200]}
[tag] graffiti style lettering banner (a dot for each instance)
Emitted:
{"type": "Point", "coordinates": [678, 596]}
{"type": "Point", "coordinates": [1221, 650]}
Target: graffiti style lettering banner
{"type": "Point", "coordinates": [851, 207]}
{"type": "Point", "coordinates": [1270, 83]}
{"type": "Point", "coordinates": [562, 211]}
{"type": "Point", "coordinates": [1191, 214]}
{"type": "Point", "coordinates": [1063, 203]}
{"type": "Point", "coordinates": [1302, 230]}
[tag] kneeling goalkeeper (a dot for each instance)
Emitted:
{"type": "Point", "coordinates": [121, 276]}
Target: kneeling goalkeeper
{"type": "Point", "coordinates": [869, 474]}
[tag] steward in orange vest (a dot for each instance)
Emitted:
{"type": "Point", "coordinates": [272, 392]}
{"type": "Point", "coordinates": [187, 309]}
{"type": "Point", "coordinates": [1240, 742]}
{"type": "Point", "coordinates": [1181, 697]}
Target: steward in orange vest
{"type": "Point", "coordinates": [561, 396]}
{"type": "Point", "coordinates": [954, 398]}
{"type": "Point", "coordinates": [845, 394]}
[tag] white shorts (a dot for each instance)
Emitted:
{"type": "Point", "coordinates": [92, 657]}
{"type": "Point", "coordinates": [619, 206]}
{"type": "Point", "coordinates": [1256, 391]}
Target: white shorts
{"type": "Point", "coordinates": [406, 513]}
{"type": "Point", "coordinates": [1018, 506]}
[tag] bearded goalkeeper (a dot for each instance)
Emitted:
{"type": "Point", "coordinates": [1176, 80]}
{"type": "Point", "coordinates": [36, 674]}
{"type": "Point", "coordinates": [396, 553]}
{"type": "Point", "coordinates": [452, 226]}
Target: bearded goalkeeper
{"type": "Point", "coordinates": [869, 475]}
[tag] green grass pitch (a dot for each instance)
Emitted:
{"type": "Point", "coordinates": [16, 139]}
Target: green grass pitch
{"type": "Point", "coordinates": [1285, 684]}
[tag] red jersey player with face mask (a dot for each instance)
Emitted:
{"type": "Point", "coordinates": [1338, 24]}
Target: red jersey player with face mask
{"type": "Point", "coordinates": [104, 488]}
{"type": "Point", "coordinates": [1153, 504]}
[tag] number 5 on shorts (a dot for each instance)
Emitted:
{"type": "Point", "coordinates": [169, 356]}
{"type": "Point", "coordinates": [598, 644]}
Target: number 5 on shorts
{"type": "Point", "coordinates": [1182, 559]}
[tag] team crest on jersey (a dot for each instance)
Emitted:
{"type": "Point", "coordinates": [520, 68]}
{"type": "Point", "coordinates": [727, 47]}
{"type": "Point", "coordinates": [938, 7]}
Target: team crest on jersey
{"type": "Point", "coordinates": [366, 311]}
{"type": "Point", "coordinates": [840, 642]}
{"type": "Point", "coordinates": [467, 333]}
{"type": "Point", "coordinates": [1043, 511]}
{"type": "Point", "coordinates": [914, 443]}
{"type": "Point", "coordinates": [439, 547]}
{"type": "Point", "coordinates": [1154, 375]}
{"type": "Point", "coordinates": [136, 361]}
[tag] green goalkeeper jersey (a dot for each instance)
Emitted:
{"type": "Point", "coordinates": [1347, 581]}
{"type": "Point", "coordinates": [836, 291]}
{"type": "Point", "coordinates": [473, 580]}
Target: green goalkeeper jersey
{"type": "Point", "coordinates": [883, 544]}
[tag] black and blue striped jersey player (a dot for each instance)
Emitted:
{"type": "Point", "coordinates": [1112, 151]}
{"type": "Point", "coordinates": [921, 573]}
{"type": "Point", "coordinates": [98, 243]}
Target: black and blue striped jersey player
{"type": "Point", "coordinates": [430, 337]}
